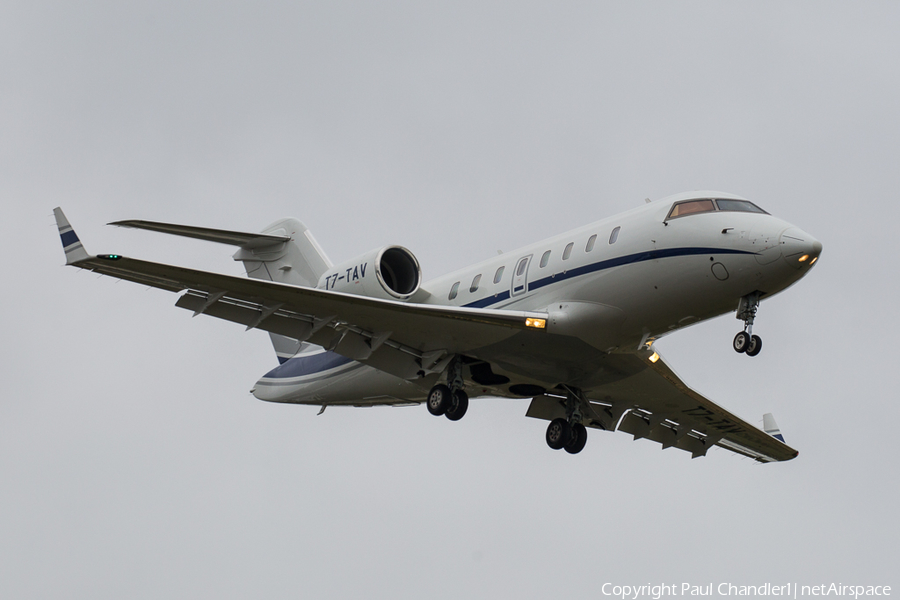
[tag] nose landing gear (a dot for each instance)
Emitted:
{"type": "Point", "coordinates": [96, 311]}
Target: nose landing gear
{"type": "Point", "coordinates": [751, 345]}
{"type": "Point", "coordinates": [745, 342]}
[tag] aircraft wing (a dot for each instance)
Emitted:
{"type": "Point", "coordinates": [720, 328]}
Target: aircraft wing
{"type": "Point", "coordinates": [400, 338]}
{"type": "Point", "coordinates": [654, 403]}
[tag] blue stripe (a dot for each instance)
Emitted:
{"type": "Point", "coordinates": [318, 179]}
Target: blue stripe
{"type": "Point", "coordinates": [489, 300]}
{"type": "Point", "coordinates": [607, 264]}
{"type": "Point", "coordinates": [307, 365]}
{"type": "Point", "coordinates": [68, 238]}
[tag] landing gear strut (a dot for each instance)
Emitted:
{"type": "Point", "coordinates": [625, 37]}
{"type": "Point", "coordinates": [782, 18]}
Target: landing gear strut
{"type": "Point", "coordinates": [569, 433]}
{"type": "Point", "coordinates": [745, 342]}
{"type": "Point", "coordinates": [449, 400]}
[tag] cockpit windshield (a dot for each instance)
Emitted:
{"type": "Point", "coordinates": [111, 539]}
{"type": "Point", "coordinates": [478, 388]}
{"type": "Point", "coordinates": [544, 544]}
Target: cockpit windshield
{"type": "Point", "coordinates": [693, 207]}
{"type": "Point", "coordinates": [740, 206]}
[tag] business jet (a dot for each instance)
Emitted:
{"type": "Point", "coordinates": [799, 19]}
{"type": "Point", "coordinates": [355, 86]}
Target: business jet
{"type": "Point", "coordinates": [569, 322]}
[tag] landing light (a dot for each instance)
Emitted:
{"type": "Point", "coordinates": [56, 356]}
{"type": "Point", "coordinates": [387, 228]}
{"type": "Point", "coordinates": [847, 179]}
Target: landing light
{"type": "Point", "coordinates": [536, 323]}
{"type": "Point", "coordinates": [654, 357]}
{"type": "Point", "coordinates": [813, 261]}
{"type": "Point", "coordinates": [804, 257]}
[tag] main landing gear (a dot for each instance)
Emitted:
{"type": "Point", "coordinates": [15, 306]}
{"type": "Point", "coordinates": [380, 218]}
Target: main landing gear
{"type": "Point", "coordinates": [569, 433]}
{"type": "Point", "coordinates": [561, 434]}
{"type": "Point", "coordinates": [449, 400]}
{"type": "Point", "coordinates": [745, 342]}
{"type": "Point", "coordinates": [443, 401]}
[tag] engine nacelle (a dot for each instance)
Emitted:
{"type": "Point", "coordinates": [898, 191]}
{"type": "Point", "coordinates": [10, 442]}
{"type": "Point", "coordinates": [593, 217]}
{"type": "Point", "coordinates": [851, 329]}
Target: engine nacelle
{"type": "Point", "coordinates": [390, 273]}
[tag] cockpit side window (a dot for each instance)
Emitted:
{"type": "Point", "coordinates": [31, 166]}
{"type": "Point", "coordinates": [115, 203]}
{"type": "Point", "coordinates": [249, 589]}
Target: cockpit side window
{"type": "Point", "coordinates": [739, 206]}
{"type": "Point", "coordinates": [691, 207]}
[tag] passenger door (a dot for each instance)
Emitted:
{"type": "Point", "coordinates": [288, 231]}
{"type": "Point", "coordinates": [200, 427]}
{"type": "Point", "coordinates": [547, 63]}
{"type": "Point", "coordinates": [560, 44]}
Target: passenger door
{"type": "Point", "coordinates": [520, 276]}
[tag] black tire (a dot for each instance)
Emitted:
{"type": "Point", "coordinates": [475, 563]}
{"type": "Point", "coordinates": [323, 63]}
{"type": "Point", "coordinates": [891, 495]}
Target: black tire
{"type": "Point", "coordinates": [741, 342]}
{"type": "Point", "coordinates": [559, 432]}
{"type": "Point", "coordinates": [438, 400]}
{"type": "Point", "coordinates": [755, 346]}
{"type": "Point", "coordinates": [579, 439]}
{"type": "Point", "coordinates": [458, 406]}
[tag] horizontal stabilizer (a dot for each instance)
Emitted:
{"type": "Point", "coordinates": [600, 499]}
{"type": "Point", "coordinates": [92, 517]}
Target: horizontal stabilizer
{"type": "Point", "coordinates": [221, 236]}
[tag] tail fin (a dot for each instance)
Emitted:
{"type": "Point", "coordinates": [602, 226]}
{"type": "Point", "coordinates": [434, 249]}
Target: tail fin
{"type": "Point", "coordinates": [284, 252]}
{"type": "Point", "coordinates": [298, 262]}
{"type": "Point", "coordinates": [771, 427]}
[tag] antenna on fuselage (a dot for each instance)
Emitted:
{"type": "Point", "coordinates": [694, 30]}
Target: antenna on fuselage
{"type": "Point", "coordinates": [648, 200]}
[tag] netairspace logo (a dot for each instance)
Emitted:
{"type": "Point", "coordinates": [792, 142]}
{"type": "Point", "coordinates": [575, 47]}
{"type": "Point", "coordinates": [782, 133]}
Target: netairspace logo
{"type": "Point", "coordinates": [787, 590]}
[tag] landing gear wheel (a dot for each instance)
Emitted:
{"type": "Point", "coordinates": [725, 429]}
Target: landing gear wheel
{"type": "Point", "coordinates": [439, 399]}
{"type": "Point", "coordinates": [459, 404]}
{"type": "Point", "coordinates": [559, 432]}
{"type": "Point", "coordinates": [755, 346]}
{"type": "Point", "coordinates": [741, 341]}
{"type": "Point", "coordinates": [579, 439]}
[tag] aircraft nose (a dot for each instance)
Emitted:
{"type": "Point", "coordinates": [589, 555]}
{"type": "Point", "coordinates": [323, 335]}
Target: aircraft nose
{"type": "Point", "coordinates": [799, 249]}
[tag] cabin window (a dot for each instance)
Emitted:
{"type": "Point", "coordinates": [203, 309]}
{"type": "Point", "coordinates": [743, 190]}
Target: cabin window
{"type": "Point", "coordinates": [568, 251]}
{"type": "Point", "coordinates": [498, 275]}
{"type": "Point", "coordinates": [691, 207]}
{"type": "Point", "coordinates": [545, 259]}
{"type": "Point", "coordinates": [475, 283]}
{"type": "Point", "coordinates": [614, 235]}
{"type": "Point", "coordinates": [590, 244]}
{"type": "Point", "coordinates": [523, 264]}
{"type": "Point", "coordinates": [739, 206]}
{"type": "Point", "coordinates": [454, 291]}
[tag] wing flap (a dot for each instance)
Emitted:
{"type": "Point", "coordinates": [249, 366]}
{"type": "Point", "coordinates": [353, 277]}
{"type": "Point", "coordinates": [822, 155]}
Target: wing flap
{"type": "Point", "coordinates": [286, 323]}
{"type": "Point", "coordinates": [376, 350]}
{"type": "Point", "coordinates": [668, 435]}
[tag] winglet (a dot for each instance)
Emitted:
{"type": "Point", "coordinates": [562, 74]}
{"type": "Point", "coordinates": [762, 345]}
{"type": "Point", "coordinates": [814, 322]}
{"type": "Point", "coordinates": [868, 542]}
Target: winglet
{"type": "Point", "coordinates": [771, 427]}
{"type": "Point", "coordinates": [75, 252]}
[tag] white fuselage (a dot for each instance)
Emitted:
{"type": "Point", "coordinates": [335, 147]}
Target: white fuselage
{"type": "Point", "coordinates": [610, 286]}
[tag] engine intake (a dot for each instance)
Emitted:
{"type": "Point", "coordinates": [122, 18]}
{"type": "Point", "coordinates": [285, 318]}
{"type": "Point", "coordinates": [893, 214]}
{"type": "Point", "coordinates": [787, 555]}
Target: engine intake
{"type": "Point", "coordinates": [390, 273]}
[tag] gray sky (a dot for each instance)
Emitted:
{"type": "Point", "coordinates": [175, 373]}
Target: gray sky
{"type": "Point", "coordinates": [133, 461]}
